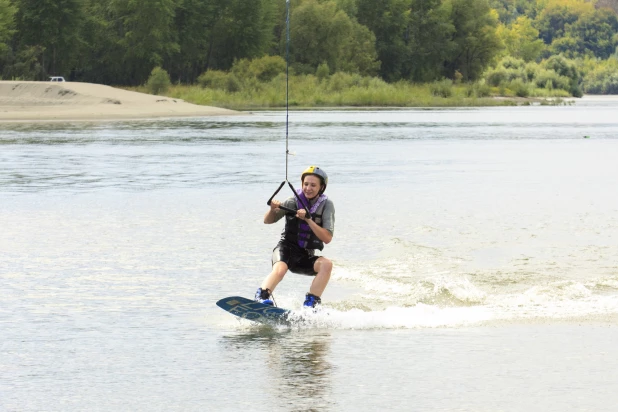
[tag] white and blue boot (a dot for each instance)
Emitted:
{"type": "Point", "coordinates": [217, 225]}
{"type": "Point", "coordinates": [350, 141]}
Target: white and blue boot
{"type": "Point", "coordinates": [264, 296]}
{"type": "Point", "coordinates": [311, 301]}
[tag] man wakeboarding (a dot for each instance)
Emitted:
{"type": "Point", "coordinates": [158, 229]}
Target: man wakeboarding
{"type": "Point", "coordinates": [302, 235]}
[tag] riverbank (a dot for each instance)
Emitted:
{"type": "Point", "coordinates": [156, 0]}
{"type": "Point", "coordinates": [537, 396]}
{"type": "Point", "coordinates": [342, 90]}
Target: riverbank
{"type": "Point", "coordinates": [72, 101]}
{"type": "Point", "coordinates": [311, 93]}
{"type": "Point", "coordinates": [22, 101]}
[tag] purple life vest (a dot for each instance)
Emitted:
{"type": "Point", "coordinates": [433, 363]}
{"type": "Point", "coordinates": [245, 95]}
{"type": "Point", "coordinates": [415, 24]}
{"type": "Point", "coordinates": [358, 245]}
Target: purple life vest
{"type": "Point", "coordinates": [298, 231]}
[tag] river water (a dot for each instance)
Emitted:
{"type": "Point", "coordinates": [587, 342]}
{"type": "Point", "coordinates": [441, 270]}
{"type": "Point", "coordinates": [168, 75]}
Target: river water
{"type": "Point", "coordinates": [475, 252]}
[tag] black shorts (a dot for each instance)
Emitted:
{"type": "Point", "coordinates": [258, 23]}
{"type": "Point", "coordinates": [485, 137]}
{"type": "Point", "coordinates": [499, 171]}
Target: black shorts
{"type": "Point", "coordinates": [299, 260]}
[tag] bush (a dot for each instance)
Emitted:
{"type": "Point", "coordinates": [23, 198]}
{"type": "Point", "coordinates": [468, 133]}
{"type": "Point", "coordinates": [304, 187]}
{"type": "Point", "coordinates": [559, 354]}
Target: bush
{"type": "Point", "coordinates": [602, 78]}
{"type": "Point", "coordinates": [576, 90]}
{"type": "Point", "coordinates": [242, 69]}
{"type": "Point", "coordinates": [516, 74]}
{"type": "Point", "coordinates": [232, 84]}
{"type": "Point", "coordinates": [159, 81]}
{"type": "Point", "coordinates": [478, 89]}
{"type": "Point", "coordinates": [610, 84]}
{"type": "Point", "coordinates": [267, 68]}
{"type": "Point", "coordinates": [372, 82]}
{"type": "Point", "coordinates": [322, 71]}
{"type": "Point", "coordinates": [549, 79]}
{"type": "Point", "coordinates": [607, 83]}
{"type": "Point", "coordinates": [482, 90]}
{"type": "Point", "coordinates": [457, 77]}
{"type": "Point", "coordinates": [443, 88]}
{"type": "Point", "coordinates": [520, 88]}
{"type": "Point", "coordinates": [302, 68]}
{"type": "Point", "coordinates": [496, 77]}
{"type": "Point", "coordinates": [531, 70]}
{"type": "Point", "coordinates": [341, 80]}
{"type": "Point", "coordinates": [512, 63]}
{"type": "Point", "coordinates": [562, 66]}
{"type": "Point", "coordinates": [214, 79]}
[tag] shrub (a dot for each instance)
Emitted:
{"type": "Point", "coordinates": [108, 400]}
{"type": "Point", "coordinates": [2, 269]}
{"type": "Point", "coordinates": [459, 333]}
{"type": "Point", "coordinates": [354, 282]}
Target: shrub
{"type": "Point", "coordinates": [514, 74]}
{"type": "Point", "coordinates": [371, 82]}
{"type": "Point", "coordinates": [576, 90]}
{"type": "Point", "coordinates": [266, 68]}
{"type": "Point", "coordinates": [341, 80]}
{"type": "Point", "coordinates": [520, 88]}
{"type": "Point", "coordinates": [159, 81]}
{"type": "Point", "coordinates": [610, 84]}
{"type": "Point", "coordinates": [443, 88]}
{"type": "Point", "coordinates": [512, 63]}
{"type": "Point", "coordinates": [322, 71]}
{"type": "Point", "coordinates": [496, 77]}
{"type": "Point", "coordinates": [562, 66]}
{"type": "Point", "coordinates": [242, 69]}
{"type": "Point", "coordinates": [457, 77]}
{"type": "Point", "coordinates": [478, 89]}
{"type": "Point", "coordinates": [549, 79]}
{"type": "Point", "coordinates": [214, 79]}
{"type": "Point", "coordinates": [302, 68]}
{"type": "Point", "coordinates": [602, 78]}
{"type": "Point", "coordinates": [232, 84]}
{"type": "Point", "coordinates": [531, 70]}
{"type": "Point", "coordinates": [602, 83]}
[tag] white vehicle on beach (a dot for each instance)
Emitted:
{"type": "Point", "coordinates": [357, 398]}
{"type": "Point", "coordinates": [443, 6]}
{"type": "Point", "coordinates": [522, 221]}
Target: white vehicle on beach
{"type": "Point", "coordinates": [56, 79]}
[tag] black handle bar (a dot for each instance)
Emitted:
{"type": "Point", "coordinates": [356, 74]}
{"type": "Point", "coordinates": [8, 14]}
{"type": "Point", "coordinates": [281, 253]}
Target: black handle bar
{"type": "Point", "coordinates": [287, 209]}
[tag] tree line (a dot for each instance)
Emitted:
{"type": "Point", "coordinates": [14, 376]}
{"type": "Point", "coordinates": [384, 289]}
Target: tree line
{"type": "Point", "coordinates": [119, 42]}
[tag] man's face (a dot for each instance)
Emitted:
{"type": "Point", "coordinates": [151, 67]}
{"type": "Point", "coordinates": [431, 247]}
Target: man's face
{"type": "Point", "coordinates": [311, 186]}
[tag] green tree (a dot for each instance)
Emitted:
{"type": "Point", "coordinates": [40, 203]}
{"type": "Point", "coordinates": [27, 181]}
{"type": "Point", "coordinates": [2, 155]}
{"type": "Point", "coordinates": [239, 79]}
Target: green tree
{"type": "Point", "coordinates": [25, 64]}
{"type": "Point", "coordinates": [358, 53]}
{"type": "Point", "coordinates": [242, 29]}
{"type": "Point", "coordinates": [555, 15]}
{"type": "Point", "coordinates": [53, 25]}
{"type": "Point", "coordinates": [321, 32]}
{"type": "Point", "coordinates": [595, 33]}
{"type": "Point", "coordinates": [521, 39]}
{"type": "Point", "coordinates": [566, 46]}
{"type": "Point", "coordinates": [7, 23]}
{"type": "Point", "coordinates": [348, 6]}
{"type": "Point", "coordinates": [510, 10]}
{"type": "Point", "coordinates": [389, 21]}
{"type": "Point", "coordinates": [428, 41]}
{"type": "Point", "coordinates": [476, 42]}
{"type": "Point", "coordinates": [101, 59]}
{"type": "Point", "coordinates": [146, 35]}
{"type": "Point", "coordinates": [196, 22]}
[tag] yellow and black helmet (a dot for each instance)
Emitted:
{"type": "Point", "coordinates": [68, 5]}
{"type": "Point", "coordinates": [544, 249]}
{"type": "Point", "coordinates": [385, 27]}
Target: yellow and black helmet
{"type": "Point", "coordinates": [314, 170]}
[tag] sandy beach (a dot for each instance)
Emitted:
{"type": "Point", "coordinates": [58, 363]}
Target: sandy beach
{"type": "Point", "coordinates": [72, 101]}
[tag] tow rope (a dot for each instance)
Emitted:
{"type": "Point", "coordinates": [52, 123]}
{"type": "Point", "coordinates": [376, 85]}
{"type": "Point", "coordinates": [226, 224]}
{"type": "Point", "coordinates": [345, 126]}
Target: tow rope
{"type": "Point", "coordinates": [287, 122]}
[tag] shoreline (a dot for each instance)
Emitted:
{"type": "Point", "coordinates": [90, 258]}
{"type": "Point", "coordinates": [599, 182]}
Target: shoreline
{"type": "Point", "coordinates": [52, 102]}
{"type": "Point", "coordinates": [22, 101]}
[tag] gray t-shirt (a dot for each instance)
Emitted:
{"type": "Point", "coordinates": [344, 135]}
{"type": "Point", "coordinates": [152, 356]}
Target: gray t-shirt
{"type": "Point", "coordinates": [328, 214]}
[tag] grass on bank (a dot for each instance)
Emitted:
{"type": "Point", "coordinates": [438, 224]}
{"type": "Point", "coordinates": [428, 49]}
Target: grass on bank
{"type": "Point", "coordinates": [249, 92]}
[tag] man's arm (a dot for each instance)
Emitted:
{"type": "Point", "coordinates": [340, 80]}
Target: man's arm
{"type": "Point", "coordinates": [325, 234]}
{"type": "Point", "coordinates": [271, 215]}
{"type": "Point", "coordinates": [274, 213]}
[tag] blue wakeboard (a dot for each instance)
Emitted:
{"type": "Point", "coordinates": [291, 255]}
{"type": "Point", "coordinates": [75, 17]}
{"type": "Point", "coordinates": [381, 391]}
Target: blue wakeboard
{"type": "Point", "coordinates": [255, 311]}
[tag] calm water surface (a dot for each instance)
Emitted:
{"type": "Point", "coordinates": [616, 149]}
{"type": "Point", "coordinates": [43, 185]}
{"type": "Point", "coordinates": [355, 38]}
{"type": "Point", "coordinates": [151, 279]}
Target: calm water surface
{"type": "Point", "coordinates": [475, 261]}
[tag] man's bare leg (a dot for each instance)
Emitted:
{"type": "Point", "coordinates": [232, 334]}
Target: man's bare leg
{"type": "Point", "coordinates": [275, 276]}
{"type": "Point", "coordinates": [324, 267]}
